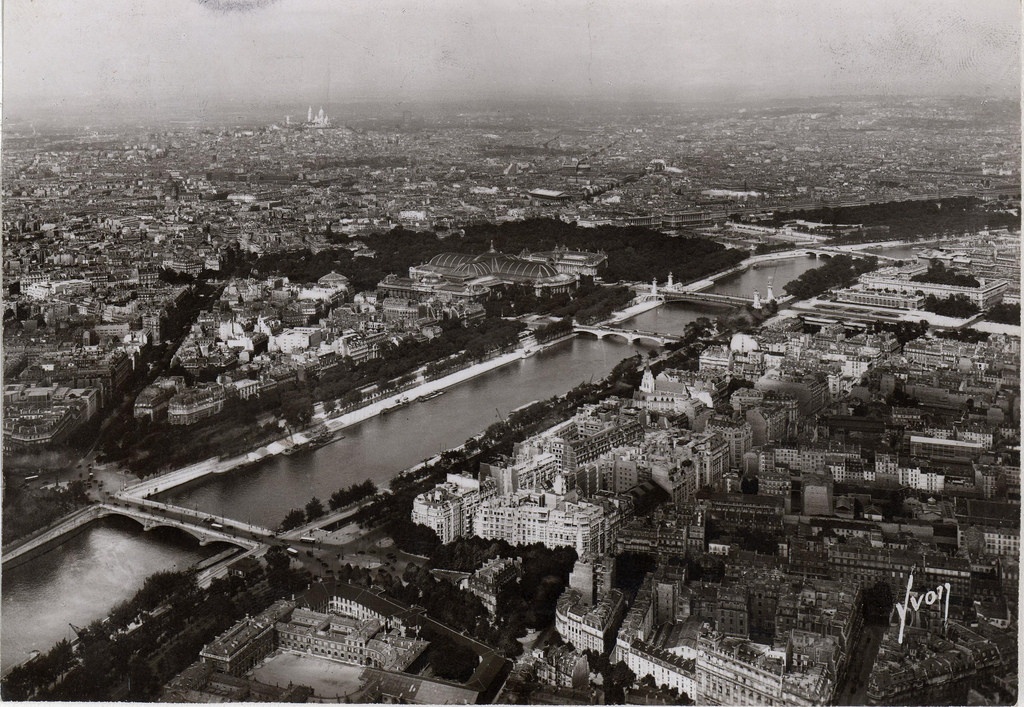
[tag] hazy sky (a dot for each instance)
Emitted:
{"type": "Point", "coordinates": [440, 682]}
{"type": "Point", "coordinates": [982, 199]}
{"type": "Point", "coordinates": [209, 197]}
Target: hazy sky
{"type": "Point", "coordinates": [152, 52]}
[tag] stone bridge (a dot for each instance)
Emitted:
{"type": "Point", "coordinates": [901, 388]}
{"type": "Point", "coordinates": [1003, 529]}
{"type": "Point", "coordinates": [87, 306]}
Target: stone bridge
{"type": "Point", "coordinates": [676, 293]}
{"type": "Point", "coordinates": [149, 514]}
{"type": "Point", "coordinates": [711, 297]}
{"type": "Point", "coordinates": [629, 335]}
{"type": "Point", "coordinates": [200, 526]}
{"type": "Point", "coordinates": [852, 251]}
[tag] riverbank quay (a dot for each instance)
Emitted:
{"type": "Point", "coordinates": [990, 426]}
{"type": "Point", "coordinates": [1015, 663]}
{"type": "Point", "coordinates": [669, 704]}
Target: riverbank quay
{"type": "Point", "coordinates": [332, 423]}
{"type": "Point", "coordinates": [142, 492]}
{"type": "Point", "coordinates": [325, 427]}
{"type": "Point", "coordinates": [525, 413]}
{"type": "Point", "coordinates": [880, 245]}
{"type": "Point", "coordinates": [25, 548]}
{"type": "Point", "coordinates": [632, 310]}
{"type": "Point", "coordinates": [149, 514]}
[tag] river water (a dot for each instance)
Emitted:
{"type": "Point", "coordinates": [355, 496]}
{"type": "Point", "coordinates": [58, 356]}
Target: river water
{"type": "Point", "coordinates": [85, 577]}
{"type": "Point", "coordinates": [904, 252]}
{"type": "Point", "coordinates": [776, 273]}
{"type": "Point", "coordinates": [673, 317]}
{"type": "Point", "coordinates": [82, 579]}
{"type": "Point", "coordinates": [381, 446]}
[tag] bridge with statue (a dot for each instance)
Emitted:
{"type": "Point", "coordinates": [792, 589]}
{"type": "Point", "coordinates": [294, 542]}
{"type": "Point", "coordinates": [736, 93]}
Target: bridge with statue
{"type": "Point", "coordinates": [695, 292]}
{"type": "Point", "coordinates": [630, 335]}
{"type": "Point", "coordinates": [710, 297]}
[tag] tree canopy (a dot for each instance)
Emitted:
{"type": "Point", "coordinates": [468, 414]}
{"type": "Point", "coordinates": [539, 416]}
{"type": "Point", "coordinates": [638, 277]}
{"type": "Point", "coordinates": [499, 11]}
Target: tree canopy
{"type": "Point", "coordinates": [634, 253]}
{"type": "Point", "coordinates": [939, 274]}
{"type": "Point", "coordinates": [1004, 313]}
{"type": "Point", "coordinates": [958, 306]}
{"type": "Point", "coordinates": [906, 220]}
{"type": "Point", "coordinates": [839, 271]}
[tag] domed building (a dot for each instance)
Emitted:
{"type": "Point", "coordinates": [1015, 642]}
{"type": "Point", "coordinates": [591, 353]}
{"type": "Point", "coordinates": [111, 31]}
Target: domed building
{"type": "Point", "coordinates": [492, 269]}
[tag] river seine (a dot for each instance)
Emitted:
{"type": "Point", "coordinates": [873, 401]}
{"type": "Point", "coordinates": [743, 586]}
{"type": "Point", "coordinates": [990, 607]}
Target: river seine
{"type": "Point", "coordinates": [81, 580]}
{"type": "Point", "coordinates": [382, 446]}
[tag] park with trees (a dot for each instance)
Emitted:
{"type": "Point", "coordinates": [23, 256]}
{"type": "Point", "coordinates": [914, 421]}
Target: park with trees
{"type": "Point", "coordinates": [26, 510]}
{"type": "Point", "coordinates": [838, 271]}
{"type": "Point", "coordinates": [634, 253]}
{"type": "Point", "coordinates": [1004, 313]}
{"type": "Point", "coordinates": [957, 306]}
{"type": "Point", "coordinates": [939, 274]}
{"type": "Point", "coordinates": [905, 220]}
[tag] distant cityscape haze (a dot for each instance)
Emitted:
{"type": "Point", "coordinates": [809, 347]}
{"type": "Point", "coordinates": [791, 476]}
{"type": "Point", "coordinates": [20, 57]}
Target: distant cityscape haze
{"type": "Point", "coordinates": [145, 58]}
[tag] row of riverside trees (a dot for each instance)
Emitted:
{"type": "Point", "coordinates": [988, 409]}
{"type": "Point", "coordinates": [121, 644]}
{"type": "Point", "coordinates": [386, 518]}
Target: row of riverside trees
{"type": "Point", "coordinates": [839, 271]}
{"type": "Point", "coordinates": [150, 638]}
{"type": "Point", "coordinates": [146, 448]}
{"type": "Point", "coordinates": [393, 510]}
{"type": "Point", "coordinates": [547, 332]}
{"type": "Point", "coordinates": [907, 220]}
{"type": "Point", "coordinates": [339, 499]}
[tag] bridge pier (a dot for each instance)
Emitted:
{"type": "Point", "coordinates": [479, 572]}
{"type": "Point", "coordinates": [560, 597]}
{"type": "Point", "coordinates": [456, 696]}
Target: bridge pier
{"type": "Point", "coordinates": [245, 536]}
{"type": "Point", "coordinates": [627, 335]}
{"type": "Point", "coordinates": [648, 297]}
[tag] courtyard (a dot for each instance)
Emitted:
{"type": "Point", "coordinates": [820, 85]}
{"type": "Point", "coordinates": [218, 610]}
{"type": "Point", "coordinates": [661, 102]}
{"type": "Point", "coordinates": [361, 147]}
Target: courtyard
{"type": "Point", "coordinates": [327, 678]}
